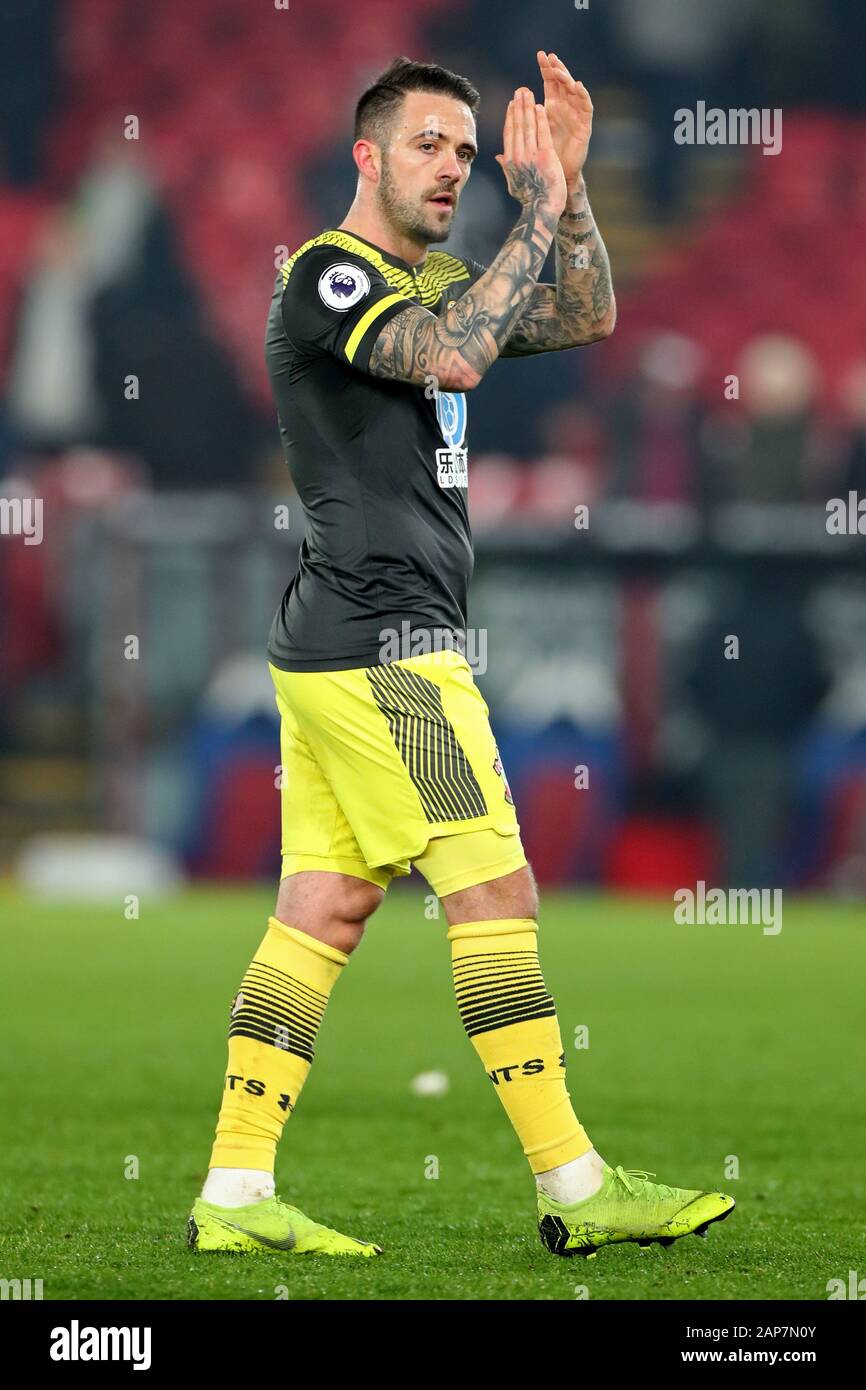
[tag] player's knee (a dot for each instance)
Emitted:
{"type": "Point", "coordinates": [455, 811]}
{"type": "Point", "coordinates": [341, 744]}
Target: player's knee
{"type": "Point", "coordinates": [345, 936]}
{"type": "Point", "coordinates": [526, 893]}
{"type": "Point", "coordinates": [350, 911]}
{"type": "Point", "coordinates": [355, 901]}
{"type": "Point", "coordinates": [331, 907]}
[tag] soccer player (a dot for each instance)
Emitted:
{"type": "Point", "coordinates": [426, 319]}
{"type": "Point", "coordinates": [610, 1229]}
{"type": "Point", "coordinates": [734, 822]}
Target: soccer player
{"type": "Point", "coordinates": [373, 344]}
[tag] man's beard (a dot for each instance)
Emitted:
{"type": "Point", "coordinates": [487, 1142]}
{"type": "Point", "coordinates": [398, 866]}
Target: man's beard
{"type": "Point", "coordinates": [405, 216]}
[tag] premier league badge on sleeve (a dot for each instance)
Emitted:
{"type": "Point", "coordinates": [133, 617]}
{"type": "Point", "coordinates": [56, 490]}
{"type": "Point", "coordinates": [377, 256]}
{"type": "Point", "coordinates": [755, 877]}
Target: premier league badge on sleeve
{"type": "Point", "coordinates": [342, 286]}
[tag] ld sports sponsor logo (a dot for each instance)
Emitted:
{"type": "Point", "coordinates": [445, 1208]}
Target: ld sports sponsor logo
{"type": "Point", "coordinates": [452, 462]}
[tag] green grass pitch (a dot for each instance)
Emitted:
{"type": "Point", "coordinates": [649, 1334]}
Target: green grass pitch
{"type": "Point", "coordinates": [704, 1042]}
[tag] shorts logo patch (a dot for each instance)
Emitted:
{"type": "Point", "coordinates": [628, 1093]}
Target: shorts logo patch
{"type": "Point", "coordinates": [500, 772]}
{"type": "Point", "coordinates": [342, 286]}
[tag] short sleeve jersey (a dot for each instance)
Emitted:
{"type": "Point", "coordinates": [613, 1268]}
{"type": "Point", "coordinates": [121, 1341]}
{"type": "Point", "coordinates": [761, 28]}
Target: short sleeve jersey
{"type": "Point", "coordinates": [380, 466]}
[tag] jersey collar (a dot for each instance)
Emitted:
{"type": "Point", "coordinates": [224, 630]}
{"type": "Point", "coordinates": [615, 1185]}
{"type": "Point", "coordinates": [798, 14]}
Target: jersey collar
{"type": "Point", "coordinates": [386, 255]}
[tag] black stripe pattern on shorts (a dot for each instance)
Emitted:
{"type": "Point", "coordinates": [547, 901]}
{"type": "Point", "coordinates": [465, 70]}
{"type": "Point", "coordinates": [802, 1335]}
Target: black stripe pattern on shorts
{"type": "Point", "coordinates": [497, 988]}
{"type": "Point", "coordinates": [273, 1007]}
{"type": "Point", "coordinates": [426, 741]}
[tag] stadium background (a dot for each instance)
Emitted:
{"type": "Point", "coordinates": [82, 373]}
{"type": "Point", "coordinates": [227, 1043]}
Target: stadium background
{"type": "Point", "coordinates": [121, 768]}
{"type": "Point", "coordinates": [152, 258]}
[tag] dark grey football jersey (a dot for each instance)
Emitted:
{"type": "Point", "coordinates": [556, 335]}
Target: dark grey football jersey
{"type": "Point", "coordinates": [380, 466]}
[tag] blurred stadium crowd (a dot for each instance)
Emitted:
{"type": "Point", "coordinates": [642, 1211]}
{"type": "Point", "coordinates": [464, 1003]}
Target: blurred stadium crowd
{"type": "Point", "coordinates": [157, 161]}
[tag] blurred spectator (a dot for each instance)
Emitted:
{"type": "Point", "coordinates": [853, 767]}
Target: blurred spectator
{"type": "Point", "coordinates": [110, 330]}
{"type": "Point", "coordinates": [28, 86]}
{"type": "Point", "coordinates": [115, 204]}
{"type": "Point", "coordinates": [768, 450]}
{"type": "Point", "coordinates": [678, 51]}
{"type": "Point", "coordinates": [51, 395]}
{"type": "Point", "coordinates": [573, 430]}
{"type": "Point", "coordinates": [853, 468]}
{"type": "Point", "coordinates": [755, 705]}
{"type": "Point", "coordinates": [654, 425]}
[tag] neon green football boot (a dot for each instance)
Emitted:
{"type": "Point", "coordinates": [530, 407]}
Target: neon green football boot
{"type": "Point", "coordinates": [628, 1207]}
{"type": "Point", "coordinates": [265, 1226]}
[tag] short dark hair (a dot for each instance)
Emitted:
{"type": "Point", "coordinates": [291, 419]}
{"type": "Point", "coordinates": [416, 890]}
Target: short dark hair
{"type": "Point", "coordinates": [378, 105]}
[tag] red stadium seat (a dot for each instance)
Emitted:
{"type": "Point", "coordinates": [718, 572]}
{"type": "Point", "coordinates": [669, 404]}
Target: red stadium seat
{"type": "Point", "coordinates": [745, 272]}
{"type": "Point", "coordinates": [223, 123]}
{"type": "Point", "coordinates": [657, 855]}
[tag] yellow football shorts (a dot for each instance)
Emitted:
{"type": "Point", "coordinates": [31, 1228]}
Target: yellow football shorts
{"type": "Point", "coordinates": [388, 766]}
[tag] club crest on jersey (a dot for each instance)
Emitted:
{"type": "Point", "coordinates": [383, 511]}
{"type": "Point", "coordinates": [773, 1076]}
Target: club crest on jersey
{"type": "Point", "coordinates": [341, 286]}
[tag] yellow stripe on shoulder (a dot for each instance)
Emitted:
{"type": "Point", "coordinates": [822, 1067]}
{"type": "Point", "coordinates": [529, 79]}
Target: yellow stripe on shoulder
{"type": "Point", "coordinates": [440, 270]}
{"type": "Point", "coordinates": [369, 317]}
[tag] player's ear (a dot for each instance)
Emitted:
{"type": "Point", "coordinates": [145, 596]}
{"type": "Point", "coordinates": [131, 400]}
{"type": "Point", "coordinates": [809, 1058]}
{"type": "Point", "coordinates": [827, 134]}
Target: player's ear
{"type": "Point", "coordinates": [368, 159]}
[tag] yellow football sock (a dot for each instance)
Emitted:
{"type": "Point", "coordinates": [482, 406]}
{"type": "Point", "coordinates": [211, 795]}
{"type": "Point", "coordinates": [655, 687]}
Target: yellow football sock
{"type": "Point", "coordinates": [274, 1020]}
{"type": "Point", "coordinates": [511, 1021]}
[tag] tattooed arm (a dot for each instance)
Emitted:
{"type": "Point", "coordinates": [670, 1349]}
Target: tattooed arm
{"type": "Point", "coordinates": [458, 347]}
{"type": "Point", "coordinates": [580, 308]}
